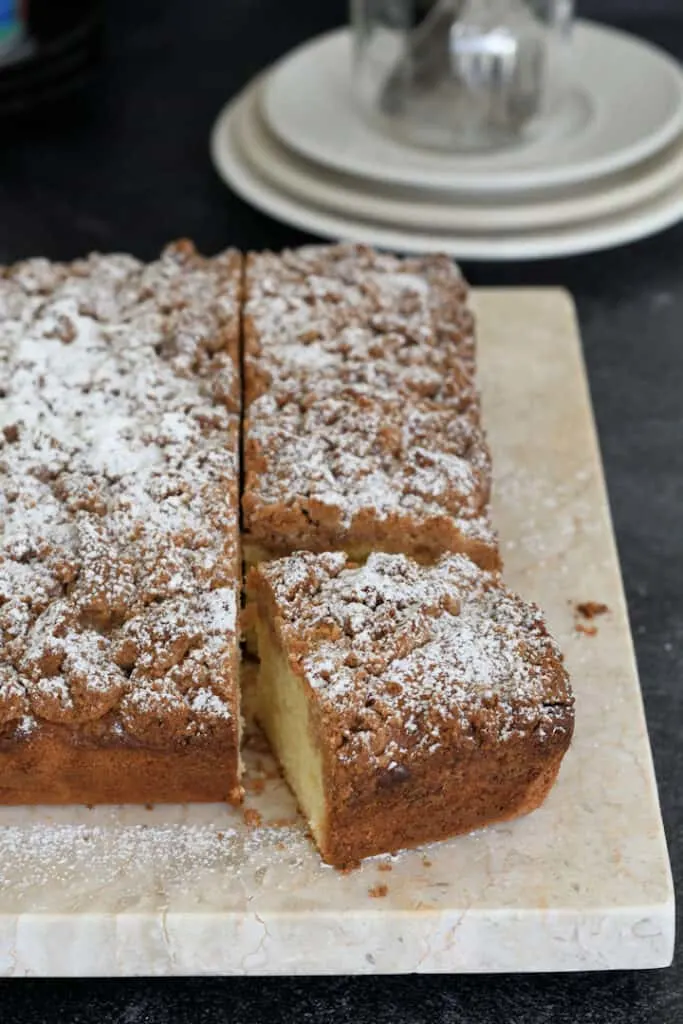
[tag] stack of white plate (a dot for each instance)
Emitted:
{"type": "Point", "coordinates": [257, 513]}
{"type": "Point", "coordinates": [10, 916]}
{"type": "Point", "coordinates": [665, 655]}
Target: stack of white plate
{"type": "Point", "coordinates": [608, 169]}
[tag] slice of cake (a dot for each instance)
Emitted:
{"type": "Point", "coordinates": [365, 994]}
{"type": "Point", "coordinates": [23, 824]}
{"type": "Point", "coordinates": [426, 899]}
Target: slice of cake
{"type": "Point", "coordinates": [406, 703]}
{"type": "Point", "coordinates": [362, 428]}
{"type": "Point", "coordinates": [119, 542]}
{"type": "Point", "coordinates": [359, 473]}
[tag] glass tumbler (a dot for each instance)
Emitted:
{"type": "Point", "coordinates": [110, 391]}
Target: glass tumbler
{"type": "Point", "coordinates": [460, 75]}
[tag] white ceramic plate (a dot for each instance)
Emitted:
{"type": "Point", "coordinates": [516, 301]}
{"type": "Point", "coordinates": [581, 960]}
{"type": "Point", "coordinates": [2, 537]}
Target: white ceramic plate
{"type": "Point", "coordinates": [630, 106]}
{"type": "Point", "coordinates": [235, 169]}
{"type": "Point", "coordinates": [414, 209]}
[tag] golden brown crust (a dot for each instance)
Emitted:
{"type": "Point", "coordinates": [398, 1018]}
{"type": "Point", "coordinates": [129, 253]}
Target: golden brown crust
{"type": "Point", "coordinates": [437, 696]}
{"type": "Point", "coordinates": [53, 765]}
{"type": "Point", "coordinates": [363, 422]}
{"type": "Point", "coordinates": [119, 552]}
{"type": "Point", "coordinates": [454, 795]}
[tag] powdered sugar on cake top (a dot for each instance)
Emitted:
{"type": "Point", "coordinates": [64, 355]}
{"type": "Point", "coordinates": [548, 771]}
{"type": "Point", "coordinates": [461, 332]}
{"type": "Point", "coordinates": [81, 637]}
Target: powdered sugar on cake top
{"type": "Point", "coordinates": [346, 314]}
{"type": "Point", "coordinates": [403, 658]}
{"type": "Point", "coordinates": [118, 469]}
{"type": "Point", "coordinates": [363, 417]}
{"type": "Point", "coordinates": [350, 454]}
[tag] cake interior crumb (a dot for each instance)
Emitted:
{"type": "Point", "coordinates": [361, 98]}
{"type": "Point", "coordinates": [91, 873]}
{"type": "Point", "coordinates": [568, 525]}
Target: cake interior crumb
{"type": "Point", "coordinates": [283, 712]}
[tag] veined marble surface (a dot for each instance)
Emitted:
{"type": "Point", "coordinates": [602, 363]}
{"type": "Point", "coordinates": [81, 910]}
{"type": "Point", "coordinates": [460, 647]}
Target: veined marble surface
{"type": "Point", "coordinates": [583, 883]}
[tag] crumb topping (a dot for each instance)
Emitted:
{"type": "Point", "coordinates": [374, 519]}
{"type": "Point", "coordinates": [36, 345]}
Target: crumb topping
{"type": "Point", "coordinates": [362, 409]}
{"type": "Point", "coordinates": [346, 314]}
{"type": "Point", "coordinates": [591, 609]}
{"type": "Point", "coordinates": [404, 658]}
{"type": "Point", "coordinates": [118, 472]}
{"type": "Point", "coordinates": [343, 455]}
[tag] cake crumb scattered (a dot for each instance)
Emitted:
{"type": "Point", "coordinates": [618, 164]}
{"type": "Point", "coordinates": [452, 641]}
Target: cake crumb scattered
{"type": "Point", "coordinates": [352, 866]}
{"type": "Point", "coordinates": [581, 627]}
{"type": "Point", "coordinates": [384, 866]}
{"type": "Point", "coordinates": [378, 892]}
{"type": "Point", "coordinates": [591, 609]}
{"type": "Point", "coordinates": [252, 818]}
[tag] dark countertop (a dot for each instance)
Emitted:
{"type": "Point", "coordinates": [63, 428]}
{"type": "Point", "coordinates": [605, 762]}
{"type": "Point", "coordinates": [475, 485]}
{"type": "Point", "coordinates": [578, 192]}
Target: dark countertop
{"type": "Point", "coordinates": [128, 168]}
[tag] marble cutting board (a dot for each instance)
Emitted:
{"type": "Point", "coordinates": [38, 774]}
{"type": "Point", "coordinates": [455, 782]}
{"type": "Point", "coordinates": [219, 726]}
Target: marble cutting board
{"type": "Point", "coordinates": [582, 884]}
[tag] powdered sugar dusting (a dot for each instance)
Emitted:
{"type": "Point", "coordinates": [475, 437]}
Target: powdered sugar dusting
{"type": "Point", "coordinates": [362, 408]}
{"type": "Point", "coordinates": [353, 316]}
{"type": "Point", "coordinates": [404, 658]}
{"type": "Point", "coordinates": [138, 866]}
{"type": "Point", "coordinates": [351, 454]}
{"type": "Point", "coordinates": [118, 459]}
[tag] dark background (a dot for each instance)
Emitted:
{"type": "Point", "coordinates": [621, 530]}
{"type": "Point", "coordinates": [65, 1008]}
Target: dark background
{"type": "Point", "coordinates": [600, 8]}
{"type": "Point", "coordinates": [127, 167]}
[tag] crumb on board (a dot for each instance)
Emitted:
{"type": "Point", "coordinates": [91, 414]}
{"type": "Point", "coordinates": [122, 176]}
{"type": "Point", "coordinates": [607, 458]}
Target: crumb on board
{"type": "Point", "coordinates": [252, 818]}
{"type": "Point", "coordinates": [282, 822]}
{"type": "Point", "coordinates": [353, 866]}
{"type": "Point", "coordinates": [581, 627]}
{"type": "Point", "coordinates": [149, 807]}
{"type": "Point", "coordinates": [254, 785]}
{"type": "Point", "coordinates": [384, 865]}
{"type": "Point", "coordinates": [591, 609]}
{"type": "Point", "coordinates": [378, 892]}
{"type": "Point", "coordinates": [220, 836]}
{"type": "Point", "coordinates": [426, 862]}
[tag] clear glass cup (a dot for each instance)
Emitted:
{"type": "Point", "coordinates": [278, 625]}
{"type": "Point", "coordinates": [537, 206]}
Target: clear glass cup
{"type": "Point", "coordinates": [460, 75]}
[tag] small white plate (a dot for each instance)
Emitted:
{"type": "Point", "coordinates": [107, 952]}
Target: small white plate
{"type": "Point", "coordinates": [236, 170]}
{"type": "Point", "coordinates": [629, 105]}
{"type": "Point", "coordinates": [413, 209]}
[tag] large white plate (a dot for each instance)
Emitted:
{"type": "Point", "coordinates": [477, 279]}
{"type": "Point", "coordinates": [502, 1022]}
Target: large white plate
{"type": "Point", "coordinates": [399, 207]}
{"type": "Point", "coordinates": [588, 236]}
{"type": "Point", "coordinates": [582, 884]}
{"type": "Point", "coordinates": [627, 104]}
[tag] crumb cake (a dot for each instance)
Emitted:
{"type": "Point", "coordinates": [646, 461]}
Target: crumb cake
{"type": "Point", "coordinates": [408, 695]}
{"type": "Point", "coordinates": [406, 703]}
{"type": "Point", "coordinates": [362, 420]}
{"type": "Point", "coordinates": [119, 535]}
